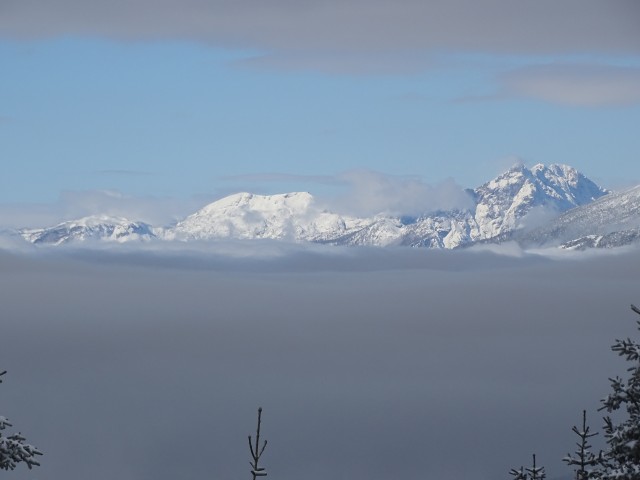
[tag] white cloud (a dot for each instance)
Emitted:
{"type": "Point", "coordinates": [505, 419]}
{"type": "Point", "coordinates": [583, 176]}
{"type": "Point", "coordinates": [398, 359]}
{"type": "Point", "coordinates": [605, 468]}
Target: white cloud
{"type": "Point", "coordinates": [370, 192]}
{"type": "Point", "coordinates": [537, 217]}
{"type": "Point", "coordinates": [366, 192]}
{"type": "Point", "coordinates": [76, 204]}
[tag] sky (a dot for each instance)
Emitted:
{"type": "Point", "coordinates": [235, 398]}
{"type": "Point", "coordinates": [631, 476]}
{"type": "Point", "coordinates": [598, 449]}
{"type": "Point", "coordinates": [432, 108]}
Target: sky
{"type": "Point", "coordinates": [369, 363]}
{"type": "Point", "coordinates": [168, 105]}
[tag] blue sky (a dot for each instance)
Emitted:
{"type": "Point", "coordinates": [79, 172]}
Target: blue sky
{"type": "Point", "coordinates": [192, 100]}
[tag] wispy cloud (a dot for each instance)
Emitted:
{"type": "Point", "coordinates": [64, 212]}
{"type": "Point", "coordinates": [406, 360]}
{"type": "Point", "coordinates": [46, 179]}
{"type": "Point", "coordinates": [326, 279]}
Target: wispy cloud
{"type": "Point", "coordinates": [571, 84]}
{"type": "Point", "coordinates": [576, 85]}
{"type": "Point", "coordinates": [365, 192]}
{"type": "Point", "coordinates": [74, 204]}
{"type": "Point", "coordinates": [369, 192]}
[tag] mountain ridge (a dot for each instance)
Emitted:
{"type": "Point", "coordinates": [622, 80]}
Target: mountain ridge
{"type": "Point", "coordinates": [94, 227]}
{"type": "Point", "coordinates": [502, 208]}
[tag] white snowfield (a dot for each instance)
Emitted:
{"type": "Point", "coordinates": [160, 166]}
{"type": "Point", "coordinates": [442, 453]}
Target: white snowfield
{"type": "Point", "coordinates": [503, 206]}
{"type": "Point", "coordinates": [95, 227]}
{"type": "Point", "coordinates": [290, 216]}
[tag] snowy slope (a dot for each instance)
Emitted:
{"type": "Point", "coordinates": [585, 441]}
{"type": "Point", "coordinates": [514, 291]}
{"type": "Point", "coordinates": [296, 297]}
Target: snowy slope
{"type": "Point", "coordinates": [443, 230]}
{"type": "Point", "coordinates": [438, 230]}
{"type": "Point", "coordinates": [96, 228]}
{"type": "Point", "coordinates": [610, 221]}
{"type": "Point", "coordinates": [620, 238]}
{"type": "Point", "coordinates": [290, 216]}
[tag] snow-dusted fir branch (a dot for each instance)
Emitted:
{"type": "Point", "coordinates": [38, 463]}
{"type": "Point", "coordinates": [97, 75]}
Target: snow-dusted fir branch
{"type": "Point", "coordinates": [584, 459]}
{"type": "Point", "coordinates": [536, 473]}
{"type": "Point", "coordinates": [256, 452]}
{"type": "Point", "coordinates": [622, 456]}
{"type": "Point", "coordinates": [531, 473]}
{"type": "Point", "coordinates": [518, 474]}
{"type": "Point", "coordinates": [13, 449]}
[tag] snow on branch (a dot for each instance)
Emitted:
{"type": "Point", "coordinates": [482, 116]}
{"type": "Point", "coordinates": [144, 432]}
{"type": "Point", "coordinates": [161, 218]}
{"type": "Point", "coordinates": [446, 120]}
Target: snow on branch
{"type": "Point", "coordinates": [13, 449]}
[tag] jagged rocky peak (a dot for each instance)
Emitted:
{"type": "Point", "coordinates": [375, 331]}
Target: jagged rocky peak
{"type": "Point", "coordinates": [504, 201]}
{"type": "Point", "coordinates": [561, 183]}
{"type": "Point", "coordinates": [567, 184]}
{"type": "Point", "coordinates": [94, 227]}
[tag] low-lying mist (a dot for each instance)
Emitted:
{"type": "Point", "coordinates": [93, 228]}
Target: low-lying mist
{"type": "Point", "coordinates": [369, 363]}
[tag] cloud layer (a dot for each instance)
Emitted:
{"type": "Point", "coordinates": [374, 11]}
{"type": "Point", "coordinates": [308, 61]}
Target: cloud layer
{"type": "Point", "coordinates": [368, 363]}
{"type": "Point", "coordinates": [330, 35]}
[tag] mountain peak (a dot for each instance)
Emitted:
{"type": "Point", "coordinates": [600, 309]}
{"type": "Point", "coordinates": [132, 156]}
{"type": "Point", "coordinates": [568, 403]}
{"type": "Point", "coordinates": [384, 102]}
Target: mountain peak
{"type": "Point", "coordinates": [295, 201]}
{"type": "Point", "coordinates": [247, 215]}
{"type": "Point", "coordinates": [504, 201]}
{"type": "Point", "coordinates": [556, 168]}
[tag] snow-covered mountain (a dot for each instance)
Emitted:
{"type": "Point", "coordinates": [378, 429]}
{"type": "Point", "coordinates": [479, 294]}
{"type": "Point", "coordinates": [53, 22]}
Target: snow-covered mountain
{"type": "Point", "coordinates": [502, 207]}
{"type": "Point", "coordinates": [290, 216]}
{"type": "Point", "coordinates": [503, 202]}
{"type": "Point", "coordinates": [95, 227]}
{"type": "Point", "coordinates": [611, 221]}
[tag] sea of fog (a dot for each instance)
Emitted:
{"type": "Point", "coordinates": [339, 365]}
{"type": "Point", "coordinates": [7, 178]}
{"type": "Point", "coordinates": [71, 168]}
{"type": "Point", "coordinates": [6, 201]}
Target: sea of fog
{"type": "Point", "coordinates": [369, 363]}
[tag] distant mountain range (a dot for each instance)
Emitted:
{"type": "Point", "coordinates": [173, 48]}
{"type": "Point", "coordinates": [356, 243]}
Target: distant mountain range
{"type": "Point", "coordinates": [543, 206]}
